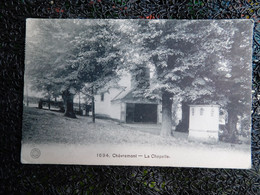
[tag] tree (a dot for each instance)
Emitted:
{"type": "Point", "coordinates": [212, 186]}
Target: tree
{"type": "Point", "coordinates": [182, 55]}
{"type": "Point", "coordinates": [76, 52]}
{"type": "Point", "coordinates": [178, 52]}
{"type": "Point", "coordinates": [96, 56]}
{"type": "Point", "coordinates": [226, 77]}
{"type": "Point", "coordinates": [232, 84]}
{"type": "Point", "coordinates": [47, 50]}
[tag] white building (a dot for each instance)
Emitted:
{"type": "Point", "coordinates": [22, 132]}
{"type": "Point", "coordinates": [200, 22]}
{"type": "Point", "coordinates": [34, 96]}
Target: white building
{"type": "Point", "coordinates": [204, 122]}
{"type": "Point", "coordinates": [120, 104]}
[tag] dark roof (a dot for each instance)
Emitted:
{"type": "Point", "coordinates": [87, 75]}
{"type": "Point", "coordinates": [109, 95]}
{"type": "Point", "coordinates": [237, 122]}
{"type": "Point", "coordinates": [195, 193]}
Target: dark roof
{"type": "Point", "coordinates": [131, 97]}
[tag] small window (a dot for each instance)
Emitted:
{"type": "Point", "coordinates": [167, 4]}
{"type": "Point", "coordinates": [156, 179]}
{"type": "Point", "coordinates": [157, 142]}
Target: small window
{"type": "Point", "coordinates": [102, 97]}
{"type": "Point", "coordinates": [192, 111]}
{"type": "Point", "coordinates": [212, 112]}
{"type": "Point", "coordinates": [201, 111]}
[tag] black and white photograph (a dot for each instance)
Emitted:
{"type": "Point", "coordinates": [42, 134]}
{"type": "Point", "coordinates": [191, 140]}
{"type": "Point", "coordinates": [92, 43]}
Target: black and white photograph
{"type": "Point", "coordinates": [173, 93]}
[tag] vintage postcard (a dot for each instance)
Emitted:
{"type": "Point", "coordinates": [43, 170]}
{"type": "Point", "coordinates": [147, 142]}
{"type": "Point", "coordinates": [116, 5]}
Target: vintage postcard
{"type": "Point", "coordinates": [171, 93]}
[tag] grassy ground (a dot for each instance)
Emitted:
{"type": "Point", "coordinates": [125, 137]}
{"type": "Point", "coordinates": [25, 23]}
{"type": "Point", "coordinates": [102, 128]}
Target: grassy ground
{"type": "Point", "coordinates": [44, 126]}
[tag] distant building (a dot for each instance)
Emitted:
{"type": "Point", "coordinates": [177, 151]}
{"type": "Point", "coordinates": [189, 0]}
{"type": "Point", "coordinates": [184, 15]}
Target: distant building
{"type": "Point", "coordinates": [121, 104]}
{"type": "Point", "coordinates": [204, 123]}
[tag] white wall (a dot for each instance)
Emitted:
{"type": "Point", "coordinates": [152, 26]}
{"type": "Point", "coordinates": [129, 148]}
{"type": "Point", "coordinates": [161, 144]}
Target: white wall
{"type": "Point", "coordinates": [204, 126]}
{"type": "Point", "coordinates": [125, 80]}
{"type": "Point", "coordinates": [107, 107]}
{"type": "Point", "coordinates": [112, 109]}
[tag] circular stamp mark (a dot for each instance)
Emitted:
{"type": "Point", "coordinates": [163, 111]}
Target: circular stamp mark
{"type": "Point", "coordinates": [35, 153]}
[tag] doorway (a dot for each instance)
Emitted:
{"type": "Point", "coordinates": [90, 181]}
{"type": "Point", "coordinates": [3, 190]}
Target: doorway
{"type": "Point", "coordinates": [141, 113]}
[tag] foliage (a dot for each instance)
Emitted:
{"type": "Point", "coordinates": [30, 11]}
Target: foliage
{"type": "Point", "coordinates": [47, 53]}
{"type": "Point", "coordinates": [194, 61]}
{"type": "Point", "coordinates": [76, 51]}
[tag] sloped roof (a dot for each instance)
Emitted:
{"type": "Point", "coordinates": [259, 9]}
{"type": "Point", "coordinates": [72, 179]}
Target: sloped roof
{"type": "Point", "coordinates": [122, 94]}
{"type": "Point", "coordinates": [128, 96]}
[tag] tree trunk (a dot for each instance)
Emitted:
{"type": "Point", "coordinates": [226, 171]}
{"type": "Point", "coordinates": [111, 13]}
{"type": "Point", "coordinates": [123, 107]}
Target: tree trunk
{"type": "Point", "coordinates": [174, 112]}
{"type": "Point", "coordinates": [183, 125]}
{"type": "Point", "coordinates": [79, 105]}
{"type": "Point", "coordinates": [166, 114]}
{"type": "Point", "coordinates": [68, 102]}
{"type": "Point", "coordinates": [40, 104]}
{"type": "Point", "coordinates": [93, 106]}
{"type": "Point", "coordinates": [49, 103]}
{"type": "Point", "coordinates": [231, 126]}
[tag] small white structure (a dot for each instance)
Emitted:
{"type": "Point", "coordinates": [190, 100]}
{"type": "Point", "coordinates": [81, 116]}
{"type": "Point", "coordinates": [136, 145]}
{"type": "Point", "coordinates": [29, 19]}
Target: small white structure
{"type": "Point", "coordinates": [204, 123]}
